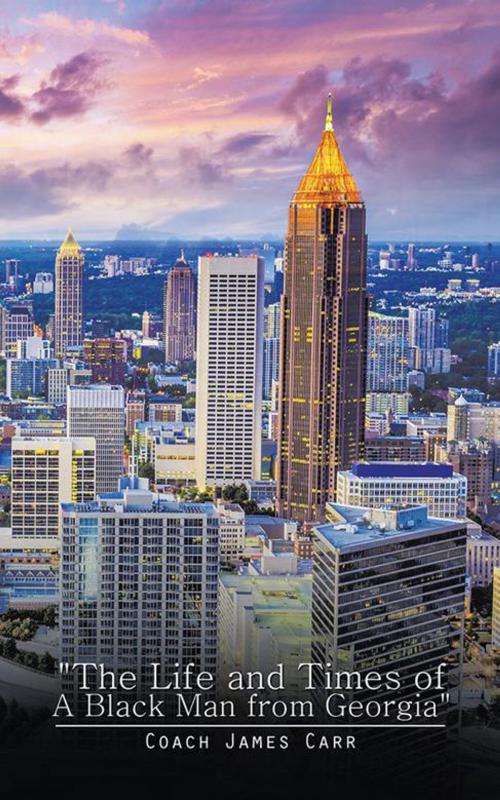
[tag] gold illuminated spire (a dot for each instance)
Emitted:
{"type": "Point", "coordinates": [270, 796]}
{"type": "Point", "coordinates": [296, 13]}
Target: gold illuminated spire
{"type": "Point", "coordinates": [329, 115]}
{"type": "Point", "coordinates": [328, 179]}
{"type": "Point", "coordinates": [70, 245]}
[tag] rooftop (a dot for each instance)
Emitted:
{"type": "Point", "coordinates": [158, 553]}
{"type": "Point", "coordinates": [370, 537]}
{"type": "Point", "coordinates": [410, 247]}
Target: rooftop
{"type": "Point", "coordinates": [137, 502]}
{"type": "Point", "coordinates": [279, 602]}
{"type": "Point", "coordinates": [352, 527]}
{"type": "Point", "coordinates": [401, 469]}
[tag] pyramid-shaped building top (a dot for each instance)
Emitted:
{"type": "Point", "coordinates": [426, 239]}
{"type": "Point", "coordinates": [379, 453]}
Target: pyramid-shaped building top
{"type": "Point", "coordinates": [70, 245]}
{"type": "Point", "coordinates": [328, 179]}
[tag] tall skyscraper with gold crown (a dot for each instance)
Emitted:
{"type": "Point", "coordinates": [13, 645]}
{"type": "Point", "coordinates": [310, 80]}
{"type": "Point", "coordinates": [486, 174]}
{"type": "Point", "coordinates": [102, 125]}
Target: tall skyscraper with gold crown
{"type": "Point", "coordinates": [323, 342]}
{"type": "Point", "coordinates": [68, 319]}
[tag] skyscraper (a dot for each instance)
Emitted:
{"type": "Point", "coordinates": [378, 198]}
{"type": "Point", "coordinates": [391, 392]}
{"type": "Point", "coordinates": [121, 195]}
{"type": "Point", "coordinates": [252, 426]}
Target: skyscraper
{"type": "Point", "coordinates": [16, 324]}
{"type": "Point", "coordinates": [411, 261]}
{"type": "Point", "coordinates": [422, 322]}
{"type": "Point", "coordinates": [68, 299]}
{"type": "Point", "coordinates": [12, 270]}
{"type": "Point", "coordinates": [494, 362]}
{"type": "Point", "coordinates": [429, 340]}
{"type": "Point", "coordinates": [106, 358]}
{"type": "Point", "coordinates": [271, 349]}
{"type": "Point", "coordinates": [229, 369]}
{"type": "Point", "coordinates": [46, 472]}
{"type": "Point", "coordinates": [323, 334]}
{"type": "Point", "coordinates": [388, 594]}
{"type": "Point", "coordinates": [99, 411]}
{"type": "Point", "coordinates": [152, 597]}
{"type": "Point", "coordinates": [388, 353]}
{"type": "Point", "coordinates": [180, 312]}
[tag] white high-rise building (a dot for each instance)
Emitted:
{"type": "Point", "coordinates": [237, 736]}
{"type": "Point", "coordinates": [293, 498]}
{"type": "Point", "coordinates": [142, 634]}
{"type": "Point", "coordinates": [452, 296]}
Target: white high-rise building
{"type": "Point", "coordinates": [45, 473]}
{"type": "Point", "coordinates": [98, 410]}
{"type": "Point", "coordinates": [494, 362]}
{"type": "Point", "coordinates": [271, 349]}
{"type": "Point", "coordinates": [153, 597]}
{"type": "Point", "coordinates": [229, 369]}
{"type": "Point", "coordinates": [33, 347]}
{"type": "Point", "coordinates": [43, 283]}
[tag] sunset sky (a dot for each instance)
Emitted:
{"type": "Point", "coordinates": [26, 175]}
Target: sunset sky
{"type": "Point", "coordinates": [197, 117]}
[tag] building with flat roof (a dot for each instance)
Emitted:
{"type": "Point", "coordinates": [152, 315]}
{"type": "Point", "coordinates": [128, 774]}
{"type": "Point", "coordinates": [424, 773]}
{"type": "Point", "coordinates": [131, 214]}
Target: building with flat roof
{"type": "Point", "coordinates": [153, 597]}
{"type": "Point", "coordinates": [47, 472]}
{"type": "Point", "coordinates": [16, 324]}
{"type": "Point", "coordinates": [388, 591]}
{"type": "Point", "coordinates": [475, 461]}
{"type": "Point", "coordinates": [395, 448]}
{"type": "Point", "coordinates": [231, 532]}
{"type": "Point", "coordinates": [29, 571]}
{"type": "Point", "coordinates": [417, 424]}
{"type": "Point", "coordinates": [264, 620]}
{"type": "Point", "coordinates": [483, 556]}
{"type": "Point", "coordinates": [229, 369]}
{"type": "Point", "coordinates": [98, 410]}
{"type": "Point", "coordinates": [386, 483]}
{"type": "Point", "coordinates": [388, 353]}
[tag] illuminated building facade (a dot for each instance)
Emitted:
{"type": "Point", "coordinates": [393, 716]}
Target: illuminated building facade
{"type": "Point", "coordinates": [106, 359]}
{"type": "Point", "coordinates": [69, 291]}
{"type": "Point", "coordinates": [46, 472]}
{"type": "Point", "coordinates": [323, 334]}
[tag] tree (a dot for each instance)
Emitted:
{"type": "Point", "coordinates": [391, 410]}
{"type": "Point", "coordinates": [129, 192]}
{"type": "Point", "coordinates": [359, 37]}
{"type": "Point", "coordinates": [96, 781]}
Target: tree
{"type": "Point", "coordinates": [146, 470]}
{"type": "Point", "coordinates": [9, 648]}
{"type": "Point", "coordinates": [46, 663]}
{"type": "Point", "coordinates": [494, 709]}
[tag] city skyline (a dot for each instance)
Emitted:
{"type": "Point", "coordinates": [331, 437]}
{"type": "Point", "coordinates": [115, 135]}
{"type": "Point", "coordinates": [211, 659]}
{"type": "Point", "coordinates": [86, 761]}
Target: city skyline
{"type": "Point", "coordinates": [198, 147]}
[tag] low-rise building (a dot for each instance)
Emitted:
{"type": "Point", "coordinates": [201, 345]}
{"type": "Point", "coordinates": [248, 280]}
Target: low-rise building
{"type": "Point", "coordinates": [231, 532]}
{"type": "Point", "coordinates": [483, 557]}
{"type": "Point", "coordinates": [264, 620]}
{"type": "Point", "coordinates": [378, 484]}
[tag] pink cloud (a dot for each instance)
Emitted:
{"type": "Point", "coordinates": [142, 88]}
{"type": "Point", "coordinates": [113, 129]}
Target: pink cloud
{"type": "Point", "coordinates": [61, 25]}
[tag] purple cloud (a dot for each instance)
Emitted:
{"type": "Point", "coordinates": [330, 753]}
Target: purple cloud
{"type": "Point", "coordinates": [49, 190]}
{"type": "Point", "coordinates": [11, 106]}
{"type": "Point", "coordinates": [244, 142]}
{"type": "Point", "coordinates": [201, 168]}
{"type": "Point", "coordinates": [138, 156]}
{"type": "Point", "coordinates": [70, 89]}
